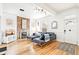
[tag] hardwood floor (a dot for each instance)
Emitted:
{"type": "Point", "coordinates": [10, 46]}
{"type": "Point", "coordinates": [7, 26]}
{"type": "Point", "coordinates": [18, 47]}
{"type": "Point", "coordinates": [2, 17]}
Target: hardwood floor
{"type": "Point", "coordinates": [26, 47]}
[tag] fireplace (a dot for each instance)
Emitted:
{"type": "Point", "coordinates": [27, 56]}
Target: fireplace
{"type": "Point", "coordinates": [24, 35]}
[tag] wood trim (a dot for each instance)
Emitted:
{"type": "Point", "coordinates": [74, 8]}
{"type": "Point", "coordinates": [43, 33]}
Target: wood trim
{"type": "Point", "coordinates": [28, 24]}
{"type": "Point", "coordinates": [19, 23]}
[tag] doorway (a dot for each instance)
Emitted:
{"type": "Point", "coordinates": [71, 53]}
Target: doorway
{"type": "Point", "coordinates": [70, 30]}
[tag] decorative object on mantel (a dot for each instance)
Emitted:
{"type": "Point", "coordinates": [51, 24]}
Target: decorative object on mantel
{"type": "Point", "coordinates": [9, 32]}
{"type": "Point", "coordinates": [54, 25]}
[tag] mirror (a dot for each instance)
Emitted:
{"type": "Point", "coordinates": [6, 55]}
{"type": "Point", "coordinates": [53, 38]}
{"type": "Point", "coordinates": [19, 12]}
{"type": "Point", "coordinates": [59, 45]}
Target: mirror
{"type": "Point", "coordinates": [54, 25]}
{"type": "Point", "coordinates": [24, 25]}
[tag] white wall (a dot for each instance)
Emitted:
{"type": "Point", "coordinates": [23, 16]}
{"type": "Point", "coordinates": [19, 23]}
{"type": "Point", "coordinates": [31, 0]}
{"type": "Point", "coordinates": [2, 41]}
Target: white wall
{"type": "Point", "coordinates": [14, 8]}
{"type": "Point", "coordinates": [11, 11]}
{"type": "Point", "coordinates": [11, 16]}
{"type": "Point", "coordinates": [77, 13]}
{"type": "Point", "coordinates": [47, 20]}
{"type": "Point", "coordinates": [59, 17]}
{"type": "Point", "coordinates": [0, 23]}
{"type": "Point", "coordinates": [5, 27]}
{"type": "Point", "coordinates": [6, 15]}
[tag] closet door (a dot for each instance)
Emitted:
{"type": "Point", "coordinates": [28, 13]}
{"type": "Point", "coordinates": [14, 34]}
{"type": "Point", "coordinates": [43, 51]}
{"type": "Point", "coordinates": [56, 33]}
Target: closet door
{"type": "Point", "coordinates": [70, 31]}
{"type": "Point", "coordinates": [71, 35]}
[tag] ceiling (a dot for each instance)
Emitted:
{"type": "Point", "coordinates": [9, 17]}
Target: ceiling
{"type": "Point", "coordinates": [29, 7]}
{"type": "Point", "coordinates": [14, 8]}
{"type": "Point", "coordinates": [59, 7]}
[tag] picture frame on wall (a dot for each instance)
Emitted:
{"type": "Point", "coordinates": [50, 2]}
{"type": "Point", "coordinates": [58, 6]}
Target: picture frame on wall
{"type": "Point", "coordinates": [54, 25]}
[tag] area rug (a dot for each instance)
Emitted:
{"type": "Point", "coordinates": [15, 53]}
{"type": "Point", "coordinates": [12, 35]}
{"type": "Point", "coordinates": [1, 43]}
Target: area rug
{"type": "Point", "coordinates": [69, 48]}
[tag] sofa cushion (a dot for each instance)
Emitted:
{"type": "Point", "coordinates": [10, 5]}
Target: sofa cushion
{"type": "Point", "coordinates": [47, 37]}
{"type": "Point", "coordinates": [38, 34]}
{"type": "Point", "coordinates": [37, 40]}
{"type": "Point", "coordinates": [42, 37]}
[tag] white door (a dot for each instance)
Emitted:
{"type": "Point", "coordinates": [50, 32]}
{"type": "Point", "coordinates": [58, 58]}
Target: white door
{"type": "Point", "coordinates": [70, 31]}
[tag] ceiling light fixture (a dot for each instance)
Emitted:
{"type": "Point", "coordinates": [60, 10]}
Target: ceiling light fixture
{"type": "Point", "coordinates": [40, 10]}
{"type": "Point", "coordinates": [21, 9]}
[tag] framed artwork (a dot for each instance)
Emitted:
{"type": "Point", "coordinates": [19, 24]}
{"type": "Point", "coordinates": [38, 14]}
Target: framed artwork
{"type": "Point", "coordinates": [54, 25]}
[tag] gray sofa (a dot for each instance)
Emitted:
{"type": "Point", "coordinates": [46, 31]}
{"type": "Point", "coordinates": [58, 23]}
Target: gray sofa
{"type": "Point", "coordinates": [43, 37]}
